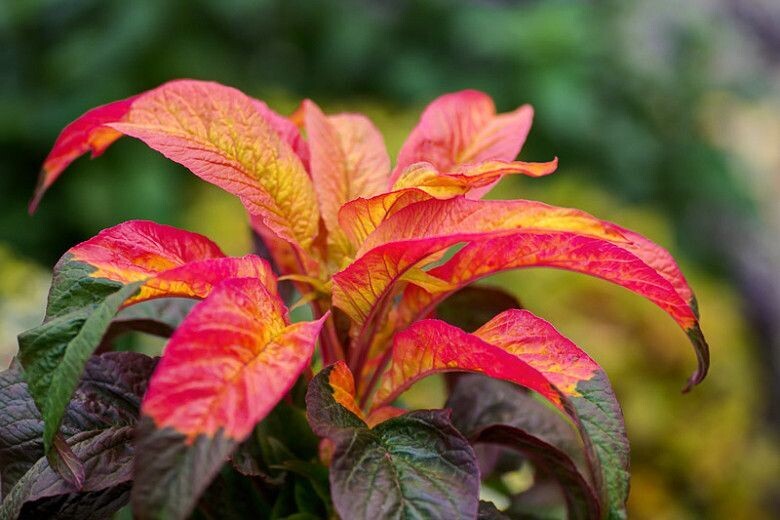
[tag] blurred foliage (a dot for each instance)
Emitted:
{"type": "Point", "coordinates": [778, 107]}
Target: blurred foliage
{"type": "Point", "coordinates": [23, 287]}
{"type": "Point", "coordinates": [617, 89]}
{"type": "Point", "coordinates": [664, 116]}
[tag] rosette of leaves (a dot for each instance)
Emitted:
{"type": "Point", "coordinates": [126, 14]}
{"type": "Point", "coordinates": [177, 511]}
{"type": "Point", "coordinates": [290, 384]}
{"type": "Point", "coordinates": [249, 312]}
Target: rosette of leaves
{"type": "Point", "coordinates": [249, 414]}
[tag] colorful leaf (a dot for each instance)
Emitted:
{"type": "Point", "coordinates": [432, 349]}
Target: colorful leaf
{"type": "Point", "coordinates": [171, 262]}
{"type": "Point", "coordinates": [218, 133]}
{"type": "Point", "coordinates": [463, 128]}
{"type": "Point", "coordinates": [286, 130]}
{"type": "Point", "coordinates": [254, 356]}
{"type": "Point", "coordinates": [504, 235]}
{"type": "Point", "coordinates": [360, 217]}
{"type": "Point", "coordinates": [432, 346]}
{"type": "Point", "coordinates": [231, 361]}
{"type": "Point", "coordinates": [438, 218]}
{"type": "Point", "coordinates": [222, 136]}
{"type": "Point", "coordinates": [348, 160]}
{"type": "Point", "coordinates": [422, 181]}
{"type": "Point", "coordinates": [419, 230]}
{"type": "Point", "coordinates": [615, 263]}
{"type": "Point", "coordinates": [330, 401]}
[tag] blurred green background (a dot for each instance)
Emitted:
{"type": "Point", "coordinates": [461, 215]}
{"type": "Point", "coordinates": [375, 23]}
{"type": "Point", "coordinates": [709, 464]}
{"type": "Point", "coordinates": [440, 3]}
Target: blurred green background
{"type": "Point", "coordinates": [665, 116]}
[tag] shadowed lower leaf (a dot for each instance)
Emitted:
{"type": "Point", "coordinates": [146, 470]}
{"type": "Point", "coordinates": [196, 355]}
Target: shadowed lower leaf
{"type": "Point", "coordinates": [488, 511]}
{"type": "Point", "coordinates": [55, 353]}
{"type": "Point", "coordinates": [498, 413]}
{"type": "Point", "coordinates": [416, 466]}
{"type": "Point", "coordinates": [413, 466]}
{"type": "Point", "coordinates": [473, 306]}
{"type": "Point", "coordinates": [98, 428]}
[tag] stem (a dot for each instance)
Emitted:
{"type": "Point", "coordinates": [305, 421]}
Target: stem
{"type": "Point", "coordinates": [375, 377]}
{"type": "Point", "coordinates": [332, 350]}
{"type": "Point", "coordinates": [359, 356]}
{"type": "Point", "coordinates": [331, 346]}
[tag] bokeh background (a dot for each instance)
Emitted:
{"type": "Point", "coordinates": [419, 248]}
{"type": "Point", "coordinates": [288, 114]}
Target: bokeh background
{"type": "Point", "coordinates": [665, 116]}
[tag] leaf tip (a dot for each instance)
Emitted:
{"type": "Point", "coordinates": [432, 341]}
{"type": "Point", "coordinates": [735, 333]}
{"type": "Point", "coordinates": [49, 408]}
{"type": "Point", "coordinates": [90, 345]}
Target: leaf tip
{"type": "Point", "coordinates": [66, 463]}
{"type": "Point", "coordinates": [40, 189]}
{"type": "Point", "coordinates": [702, 356]}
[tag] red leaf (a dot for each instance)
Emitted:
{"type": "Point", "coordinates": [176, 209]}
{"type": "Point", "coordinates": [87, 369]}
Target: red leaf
{"type": "Point", "coordinates": [173, 262]}
{"type": "Point", "coordinates": [229, 363]}
{"type": "Point", "coordinates": [86, 133]}
{"type": "Point", "coordinates": [615, 263]}
{"type": "Point", "coordinates": [463, 128]}
{"type": "Point", "coordinates": [432, 346]}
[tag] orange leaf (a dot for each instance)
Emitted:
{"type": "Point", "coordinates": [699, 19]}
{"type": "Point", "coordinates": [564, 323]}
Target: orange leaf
{"type": "Point", "coordinates": [464, 178]}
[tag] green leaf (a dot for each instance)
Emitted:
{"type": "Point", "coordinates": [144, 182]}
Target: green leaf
{"type": "Point", "coordinates": [602, 418]}
{"type": "Point", "coordinates": [284, 436]}
{"type": "Point", "coordinates": [55, 353]}
{"type": "Point", "coordinates": [73, 287]}
{"type": "Point", "coordinates": [306, 498]}
{"type": "Point", "coordinates": [288, 425]}
{"type": "Point", "coordinates": [249, 459]}
{"type": "Point", "coordinates": [416, 466]}
{"type": "Point", "coordinates": [317, 475]}
{"type": "Point", "coordinates": [232, 496]}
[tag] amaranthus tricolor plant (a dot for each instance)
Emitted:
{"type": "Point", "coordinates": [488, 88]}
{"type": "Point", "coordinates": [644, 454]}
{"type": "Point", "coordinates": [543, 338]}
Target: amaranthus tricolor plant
{"type": "Point", "coordinates": [216, 427]}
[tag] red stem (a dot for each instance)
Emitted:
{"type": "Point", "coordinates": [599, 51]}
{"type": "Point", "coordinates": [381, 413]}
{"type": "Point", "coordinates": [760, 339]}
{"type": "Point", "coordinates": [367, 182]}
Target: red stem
{"type": "Point", "coordinates": [331, 346]}
{"type": "Point", "coordinates": [359, 356]}
{"type": "Point", "coordinates": [375, 377]}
